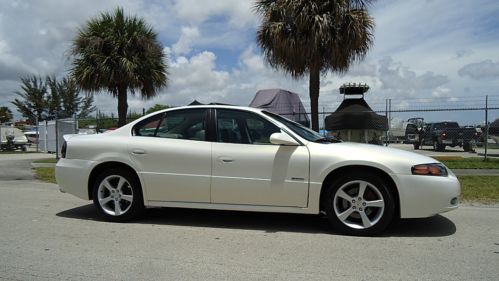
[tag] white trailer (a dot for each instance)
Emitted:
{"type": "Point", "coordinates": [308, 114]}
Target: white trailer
{"type": "Point", "coordinates": [51, 140]}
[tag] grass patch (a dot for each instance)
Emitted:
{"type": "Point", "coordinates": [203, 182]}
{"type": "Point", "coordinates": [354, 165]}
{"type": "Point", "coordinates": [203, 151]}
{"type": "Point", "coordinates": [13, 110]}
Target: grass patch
{"type": "Point", "coordinates": [46, 160]}
{"type": "Point", "coordinates": [46, 174]}
{"type": "Point", "coordinates": [483, 189]}
{"type": "Point", "coordinates": [456, 162]}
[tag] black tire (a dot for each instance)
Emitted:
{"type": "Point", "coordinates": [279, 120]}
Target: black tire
{"type": "Point", "coordinates": [437, 146]}
{"type": "Point", "coordinates": [353, 224]}
{"type": "Point", "coordinates": [467, 146]}
{"type": "Point", "coordinates": [128, 197]}
{"type": "Point", "coordinates": [416, 146]}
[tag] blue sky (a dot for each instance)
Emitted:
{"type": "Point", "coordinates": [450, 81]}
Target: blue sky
{"type": "Point", "coordinates": [426, 52]}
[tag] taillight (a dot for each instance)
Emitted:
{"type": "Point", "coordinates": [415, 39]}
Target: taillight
{"type": "Point", "coordinates": [63, 150]}
{"type": "Point", "coordinates": [443, 135]}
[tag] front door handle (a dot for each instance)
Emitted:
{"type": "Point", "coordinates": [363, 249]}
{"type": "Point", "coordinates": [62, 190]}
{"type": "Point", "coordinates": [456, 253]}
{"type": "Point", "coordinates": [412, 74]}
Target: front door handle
{"type": "Point", "coordinates": [225, 160]}
{"type": "Point", "coordinates": [139, 151]}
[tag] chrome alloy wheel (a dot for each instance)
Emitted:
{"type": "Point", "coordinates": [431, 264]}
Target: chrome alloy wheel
{"type": "Point", "coordinates": [358, 204]}
{"type": "Point", "coordinates": [115, 195]}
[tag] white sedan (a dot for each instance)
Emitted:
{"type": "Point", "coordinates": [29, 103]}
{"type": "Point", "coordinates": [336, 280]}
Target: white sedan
{"type": "Point", "coordinates": [246, 159]}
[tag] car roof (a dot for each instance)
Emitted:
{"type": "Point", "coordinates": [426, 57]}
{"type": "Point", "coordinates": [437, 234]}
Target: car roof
{"type": "Point", "coordinates": [247, 108]}
{"type": "Point", "coordinates": [128, 126]}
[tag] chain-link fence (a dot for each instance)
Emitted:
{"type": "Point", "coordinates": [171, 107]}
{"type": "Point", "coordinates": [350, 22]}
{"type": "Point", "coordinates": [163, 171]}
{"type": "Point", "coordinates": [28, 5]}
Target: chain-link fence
{"type": "Point", "coordinates": [476, 112]}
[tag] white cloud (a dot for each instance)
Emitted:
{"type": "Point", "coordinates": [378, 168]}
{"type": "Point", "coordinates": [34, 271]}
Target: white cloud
{"type": "Point", "coordinates": [252, 61]}
{"type": "Point", "coordinates": [186, 40]}
{"type": "Point", "coordinates": [239, 13]}
{"type": "Point", "coordinates": [396, 77]}
{"type": "Point", "coordinates": [486, 69]}
{"type": "Point", "coordinates": [11, 65]}
{"type": "Point", "coordinates": [424, 49]}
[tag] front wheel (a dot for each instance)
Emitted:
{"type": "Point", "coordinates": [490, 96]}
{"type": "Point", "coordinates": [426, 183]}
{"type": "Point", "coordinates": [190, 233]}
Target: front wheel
{"type": "Point", "coordinates": [360, 204]}
{"type": "Point", "coordinates": [118, 195]}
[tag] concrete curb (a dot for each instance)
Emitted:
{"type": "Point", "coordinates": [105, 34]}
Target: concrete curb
{"type": "Point", "coordinates": [43, 165]}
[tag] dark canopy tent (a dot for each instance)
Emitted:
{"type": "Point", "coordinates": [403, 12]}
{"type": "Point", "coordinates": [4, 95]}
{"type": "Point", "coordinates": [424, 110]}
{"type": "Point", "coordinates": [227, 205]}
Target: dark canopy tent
{"type": "Point", "coordinates": [196, 102]}
{"type": "Point", "coordinates": [355, 114]}
{"type": "Point", "coordinates": [494, 130]}
{"type": "Point", "coordinates": [354, 120]}
{"type": "Point", "coordinates": [282, 102]}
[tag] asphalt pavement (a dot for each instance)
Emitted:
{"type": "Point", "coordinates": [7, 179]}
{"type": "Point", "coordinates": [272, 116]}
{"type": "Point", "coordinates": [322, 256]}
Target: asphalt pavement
{"type": "Point", "coordinates": [48, 235]}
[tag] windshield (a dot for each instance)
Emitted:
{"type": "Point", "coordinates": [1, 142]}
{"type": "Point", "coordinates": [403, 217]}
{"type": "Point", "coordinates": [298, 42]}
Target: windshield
{"type": "Point", "coordinates": [297, 128]}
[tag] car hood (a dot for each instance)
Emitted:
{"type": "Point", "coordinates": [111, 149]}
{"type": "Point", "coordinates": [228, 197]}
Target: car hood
{"type": "Point", "coordinates": [348, 153]}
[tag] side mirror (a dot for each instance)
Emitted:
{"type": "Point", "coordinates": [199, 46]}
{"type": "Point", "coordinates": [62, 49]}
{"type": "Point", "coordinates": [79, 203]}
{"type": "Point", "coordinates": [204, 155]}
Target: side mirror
{"type": "Point", "coordinates": [282, 139]}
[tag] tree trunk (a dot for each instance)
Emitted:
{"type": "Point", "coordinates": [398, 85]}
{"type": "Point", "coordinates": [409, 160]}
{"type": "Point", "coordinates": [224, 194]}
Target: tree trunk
{"type": "Point", "coordinates": [122, 105]}
{"type": "Point", "coordinates": [313, 89]}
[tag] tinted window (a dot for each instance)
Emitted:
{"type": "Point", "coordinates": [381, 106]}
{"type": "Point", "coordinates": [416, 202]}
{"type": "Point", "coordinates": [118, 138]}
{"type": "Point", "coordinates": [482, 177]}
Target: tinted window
{"type": "Point", "coordinates": [243, 127]}
{"type": "Point", "coordinates": [446, 125]}
{"type": "Point", "coordinates": [147, 127]}
{"type": "Point", "coordinates": [181, 124]}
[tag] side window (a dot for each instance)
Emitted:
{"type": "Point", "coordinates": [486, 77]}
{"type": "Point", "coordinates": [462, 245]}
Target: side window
{"type": "Point", "coordinates": [243, 127]}
{"type": "Point", "coordinates": [182, 124]}
{"type": "Point", "coordinates": [147, 128]}
{"type": "Point", "coordinates": [229, 127]}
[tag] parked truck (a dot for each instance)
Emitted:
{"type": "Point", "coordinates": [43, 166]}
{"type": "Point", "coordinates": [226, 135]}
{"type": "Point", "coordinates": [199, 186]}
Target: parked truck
{"type": "Point", "coordinates": [442, 134]}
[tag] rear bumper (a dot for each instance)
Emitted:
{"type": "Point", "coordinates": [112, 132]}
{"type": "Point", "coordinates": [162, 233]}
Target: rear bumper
{"type": "Point", "coordinates": [425, 196]}
{"type": "Point", "coordinates": [72, 176]}
{"type": "Point", "coordinates": [453, 142]}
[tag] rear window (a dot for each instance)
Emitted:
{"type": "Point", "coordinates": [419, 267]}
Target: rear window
{"type": "Point", "coordinates": [446, 125]}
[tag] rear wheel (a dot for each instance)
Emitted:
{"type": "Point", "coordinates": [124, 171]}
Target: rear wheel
{"type": "Point", "coordinates": [467, 146]}
{"type": "Point", "coordinates": [360, 204]}
{"type": "Point", "coordinates": [118, 195]}
{"type": "Point", "coordinates": [437, 146]}
{"type": "Point", "coordinates": [416, 146]}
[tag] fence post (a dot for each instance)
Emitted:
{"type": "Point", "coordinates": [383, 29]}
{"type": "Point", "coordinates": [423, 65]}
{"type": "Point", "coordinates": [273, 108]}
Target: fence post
{"type": "Point", "coordinates": [75, 124]}
{"type": "Point", "coordinates": [389, 120]}
{"type": "Point", "coordinates": [97, 128]}
{"type": "Point", "coordinates": [56, 139]}
{"type": "Point", "coordinates": [386, 115]}
{"type": "Point", "coordinates": [324, 121]}
{"type": "Point", "coordinates": [486, 126]}
{"type": "Point", "coordinates": [37, 133]}
{"type": "Point", "coordinates": [46, 136]}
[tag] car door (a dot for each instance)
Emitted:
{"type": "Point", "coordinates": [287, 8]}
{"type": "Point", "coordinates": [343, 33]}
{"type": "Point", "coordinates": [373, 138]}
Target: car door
{"type": "Point", "coordinates": [248, 169]}
{"type": "Point", "coordinates": [173, 156]}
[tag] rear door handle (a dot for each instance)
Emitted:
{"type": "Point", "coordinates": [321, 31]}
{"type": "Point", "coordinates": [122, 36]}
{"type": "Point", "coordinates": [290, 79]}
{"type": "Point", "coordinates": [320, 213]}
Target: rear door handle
{"type": "Point", "coordinates": [139, 151]}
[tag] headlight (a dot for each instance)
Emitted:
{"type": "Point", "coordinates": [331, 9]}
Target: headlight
{"type": "Point", "coordinates": [433, 169]}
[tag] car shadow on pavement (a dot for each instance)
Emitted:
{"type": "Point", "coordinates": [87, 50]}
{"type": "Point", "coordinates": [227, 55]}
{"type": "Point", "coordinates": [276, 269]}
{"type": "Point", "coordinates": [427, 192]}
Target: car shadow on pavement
{"type": "Point", "coordinates": [269, 222]}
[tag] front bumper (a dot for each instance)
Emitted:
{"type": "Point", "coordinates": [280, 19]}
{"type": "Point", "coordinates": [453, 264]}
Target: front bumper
{"type": "Point", "coordinates": [425, 196]}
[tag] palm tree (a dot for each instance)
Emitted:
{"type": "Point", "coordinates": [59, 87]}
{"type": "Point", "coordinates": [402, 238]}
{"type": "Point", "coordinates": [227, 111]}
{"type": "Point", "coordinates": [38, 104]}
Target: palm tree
{"type": "Point", "coordinates": [314, 36]}
{"type": "Point", "coordinates": [5, 114]}
{"type": "Point", "coordinates": [119, 54]}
